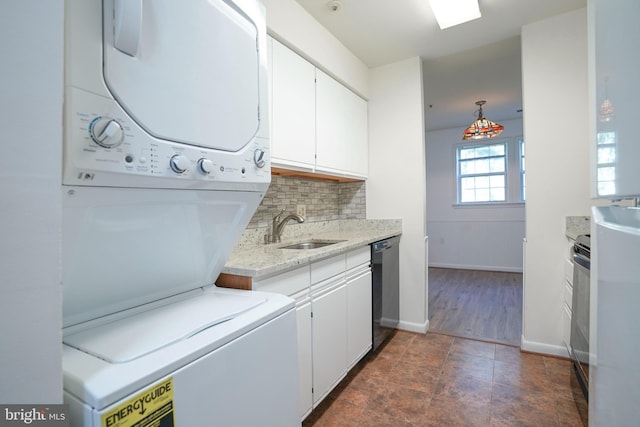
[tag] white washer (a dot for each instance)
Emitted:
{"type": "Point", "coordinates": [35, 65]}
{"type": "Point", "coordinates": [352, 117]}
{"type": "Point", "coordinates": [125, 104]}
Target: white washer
{"type": "Point", "coordinates": [166, 158]}
{"type": "Point", "coordinates": [148, 367]}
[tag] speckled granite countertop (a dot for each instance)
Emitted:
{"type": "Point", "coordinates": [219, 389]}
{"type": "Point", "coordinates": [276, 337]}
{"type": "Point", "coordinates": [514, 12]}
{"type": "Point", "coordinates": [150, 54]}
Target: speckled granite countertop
{"type": "Point", "coordinates": [577, 225]}
{"type": "Point", "coordinates": [260, 260]}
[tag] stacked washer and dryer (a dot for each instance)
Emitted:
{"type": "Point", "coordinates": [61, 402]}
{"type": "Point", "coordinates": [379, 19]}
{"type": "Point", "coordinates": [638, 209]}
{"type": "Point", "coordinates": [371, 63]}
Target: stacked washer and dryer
{"type": "Point", "coordinates": [166, 158]}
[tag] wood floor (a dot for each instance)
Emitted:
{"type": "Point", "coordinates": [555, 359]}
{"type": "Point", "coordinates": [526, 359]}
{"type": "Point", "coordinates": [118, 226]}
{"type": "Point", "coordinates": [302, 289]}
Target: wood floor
{"type": "Point", "coordinates": [484, 305]}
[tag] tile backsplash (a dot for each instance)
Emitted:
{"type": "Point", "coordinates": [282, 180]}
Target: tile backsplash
{"type": "Point", "coordinates": [323, 200]}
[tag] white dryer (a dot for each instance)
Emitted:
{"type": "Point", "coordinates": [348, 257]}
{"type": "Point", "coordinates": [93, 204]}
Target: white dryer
{"type": "Point", "coordinates": [166, 158]}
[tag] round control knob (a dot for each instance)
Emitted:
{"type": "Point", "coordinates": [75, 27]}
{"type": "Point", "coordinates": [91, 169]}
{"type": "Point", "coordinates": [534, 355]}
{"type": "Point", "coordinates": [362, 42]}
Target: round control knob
{"type": "Point", "coordinates": [205, 166]}
{"type": "Point", "coordinates": [258, 157]}
{"type": "Point", "coordinates": [179, 164]}
{"type": "Point", "coordinates": [106, 132]}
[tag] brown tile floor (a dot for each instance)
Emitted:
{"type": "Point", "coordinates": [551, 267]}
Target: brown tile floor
{"type": "Point", "coordinates": [438, 380]}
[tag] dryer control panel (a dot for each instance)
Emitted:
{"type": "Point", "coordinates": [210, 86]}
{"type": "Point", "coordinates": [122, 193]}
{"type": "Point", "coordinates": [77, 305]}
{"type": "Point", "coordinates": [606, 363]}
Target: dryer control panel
{"type": "Point", "coordinates": [104, 147]}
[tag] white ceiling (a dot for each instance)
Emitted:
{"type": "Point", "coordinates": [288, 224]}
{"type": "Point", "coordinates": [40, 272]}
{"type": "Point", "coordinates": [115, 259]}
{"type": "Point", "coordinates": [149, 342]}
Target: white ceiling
{"type": "Point", "coordinates": [456, 73]}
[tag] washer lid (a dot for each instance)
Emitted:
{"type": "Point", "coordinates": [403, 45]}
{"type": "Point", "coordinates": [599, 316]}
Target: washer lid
{"type": "Point", "coordinates": [184, 71]}
{"type": "Point", "coordinates": [127, 247]}
{"type": "Point", "coordinates": [134, 336]}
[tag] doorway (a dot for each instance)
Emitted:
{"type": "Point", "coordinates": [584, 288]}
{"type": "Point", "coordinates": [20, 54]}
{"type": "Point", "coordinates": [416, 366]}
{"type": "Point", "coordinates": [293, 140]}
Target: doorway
{"type": "Point", "coordinates": [485, 305]}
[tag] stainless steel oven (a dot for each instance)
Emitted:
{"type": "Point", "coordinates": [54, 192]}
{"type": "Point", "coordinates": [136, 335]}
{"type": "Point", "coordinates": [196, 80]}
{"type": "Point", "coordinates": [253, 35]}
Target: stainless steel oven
{"type": "Point", "coordinates": [579, 341]}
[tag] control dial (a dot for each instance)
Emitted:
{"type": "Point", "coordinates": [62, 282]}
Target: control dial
{"type": "Point", "coordinates": [179, 164]}
{"type": "Point", "coordinates": [106, 132]}
{"type": "Point", "coordinates": [205, 166]}
{"type": "Point", "coordinates": [258, 157]}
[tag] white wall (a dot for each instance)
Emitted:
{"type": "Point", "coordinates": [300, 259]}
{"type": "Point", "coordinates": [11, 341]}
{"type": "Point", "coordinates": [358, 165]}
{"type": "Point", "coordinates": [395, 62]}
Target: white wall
{"type": "Point", "coordinates": [289, 23]}
{"type": "Point", "coordinates": [396, 184]}
{"type": "Point", "coordinates": [482, 237]}
{"type": "Point", "coordinates": [554, 69]}
{"type": "Point", "coordinates": [31, 119]}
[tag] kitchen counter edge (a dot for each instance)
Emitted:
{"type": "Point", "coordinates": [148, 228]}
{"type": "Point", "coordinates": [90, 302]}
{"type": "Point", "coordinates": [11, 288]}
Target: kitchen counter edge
{"type": "Point", "coordinates": [262, 261]}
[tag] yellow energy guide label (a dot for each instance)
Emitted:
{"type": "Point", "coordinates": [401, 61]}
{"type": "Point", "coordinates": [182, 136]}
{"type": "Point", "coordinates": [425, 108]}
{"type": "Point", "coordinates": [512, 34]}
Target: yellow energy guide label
{"type": "Point", "coordinates": [151, 408]}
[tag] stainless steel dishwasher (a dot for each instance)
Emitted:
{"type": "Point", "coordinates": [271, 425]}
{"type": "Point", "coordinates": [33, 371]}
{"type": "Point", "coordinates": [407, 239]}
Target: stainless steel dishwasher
{"type": "Point", "coordinates": [385, 284]}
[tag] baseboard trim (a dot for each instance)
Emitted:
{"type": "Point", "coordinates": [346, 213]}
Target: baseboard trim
{"type": "Point", "coordinates": [477, 267]}
{"type": "Point", "coordinates": [420, 328]}
{"type": "Point", "coordinates": [542, 348]}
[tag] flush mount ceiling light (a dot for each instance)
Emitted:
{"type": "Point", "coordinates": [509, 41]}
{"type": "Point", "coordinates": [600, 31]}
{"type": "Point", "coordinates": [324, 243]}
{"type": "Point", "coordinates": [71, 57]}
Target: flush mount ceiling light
{"type": "Point", "coordinates": [453, 12]}
{"type": "Point", "coordinates": [482, 128]}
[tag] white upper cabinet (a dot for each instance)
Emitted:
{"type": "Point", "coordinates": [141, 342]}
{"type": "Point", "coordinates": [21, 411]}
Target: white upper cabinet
{"type": "Point", "coordinates": [317, 124]}
{"type": "Point", "coordinates": [293, 139]}
{"type": "Point", "coordinates": [341, 128]}
{"type": "Point", "coordinates": [614, 33]}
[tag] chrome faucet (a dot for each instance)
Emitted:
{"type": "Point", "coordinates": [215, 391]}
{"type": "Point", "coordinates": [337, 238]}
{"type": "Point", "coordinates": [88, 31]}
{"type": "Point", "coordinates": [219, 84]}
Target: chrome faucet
{"type": "Point", "coordinates": [279, 224]}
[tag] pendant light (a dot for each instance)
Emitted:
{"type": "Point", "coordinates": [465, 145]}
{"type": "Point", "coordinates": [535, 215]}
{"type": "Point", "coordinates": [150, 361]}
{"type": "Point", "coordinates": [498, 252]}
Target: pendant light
{"type": "Point", "coordinates": [482, 128]}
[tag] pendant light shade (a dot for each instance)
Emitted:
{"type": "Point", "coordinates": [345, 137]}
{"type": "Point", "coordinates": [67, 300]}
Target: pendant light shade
{"type": "Point", "coordinates": [482, 128]}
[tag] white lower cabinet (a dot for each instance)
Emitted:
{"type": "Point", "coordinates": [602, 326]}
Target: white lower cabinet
{"type": "Point", "coordinates": [329, 339]}
{"type": "Point", "coordinates": [333, 303]}
{"type": "Point", "coordinates": [358, 317]}
{"type": "Point", "coordinates": [359, 304]}
{"type": "Point", "coordinates": [305, 360]}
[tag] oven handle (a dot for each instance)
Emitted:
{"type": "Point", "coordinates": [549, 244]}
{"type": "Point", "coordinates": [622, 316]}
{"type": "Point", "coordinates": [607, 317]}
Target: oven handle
{"type": "Point", "coordinates": [582, 260]}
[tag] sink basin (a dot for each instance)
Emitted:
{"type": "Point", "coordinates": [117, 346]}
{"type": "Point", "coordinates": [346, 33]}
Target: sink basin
{"type": "Point", "coordinates": [312, 244]}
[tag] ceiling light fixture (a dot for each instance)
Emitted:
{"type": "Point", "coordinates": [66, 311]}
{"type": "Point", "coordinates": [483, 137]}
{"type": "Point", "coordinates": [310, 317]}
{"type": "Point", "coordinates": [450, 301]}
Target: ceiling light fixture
{"type": "Point", "coordinates": [482, 128]}
{"type": "Point", "coordinates": [606, 111]}
{"type": "Point", "coordinates": [453, 12]}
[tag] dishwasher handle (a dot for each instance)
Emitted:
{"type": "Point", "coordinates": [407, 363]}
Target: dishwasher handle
{"type": "Point", "coordinates": [381, 246]}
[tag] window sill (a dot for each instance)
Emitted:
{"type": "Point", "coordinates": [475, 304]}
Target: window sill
{"type": "Point", "coordinates": [485, 205]}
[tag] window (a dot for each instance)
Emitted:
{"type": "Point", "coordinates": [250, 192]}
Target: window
{"type": "Point", "coordinates": [606, 155]}
{"type": "Point", "coordinates": [483, 172]}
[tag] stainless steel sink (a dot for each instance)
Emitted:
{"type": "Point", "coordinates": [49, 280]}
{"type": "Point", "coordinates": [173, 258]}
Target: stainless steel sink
{"type": "Point", "coordinates": [312, 244]}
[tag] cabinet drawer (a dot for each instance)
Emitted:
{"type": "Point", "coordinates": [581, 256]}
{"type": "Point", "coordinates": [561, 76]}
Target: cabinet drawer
{"type": "Point", "coordinates": [326, 268]}
{"type": "Point", "coordinates": [288, 283]}
{"type": "Point", "coordinates": [358, 256]}
{"type": "Point", "coordinates": [568, 294]}
{"type": "Point", "coordinates": [568, 270]}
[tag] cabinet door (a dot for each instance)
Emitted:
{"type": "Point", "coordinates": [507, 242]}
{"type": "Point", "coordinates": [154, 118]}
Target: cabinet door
{"type": "Point", "coordinates": [293, 109]}
{"type": "Point", "coordinates": [329, 340]}
{"type": "Point", "coordinates": [304, 358]}
{"type": "Point", "coordinates": [359, 317]}
{"type": "Point", "coordinates": [341, 128]}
